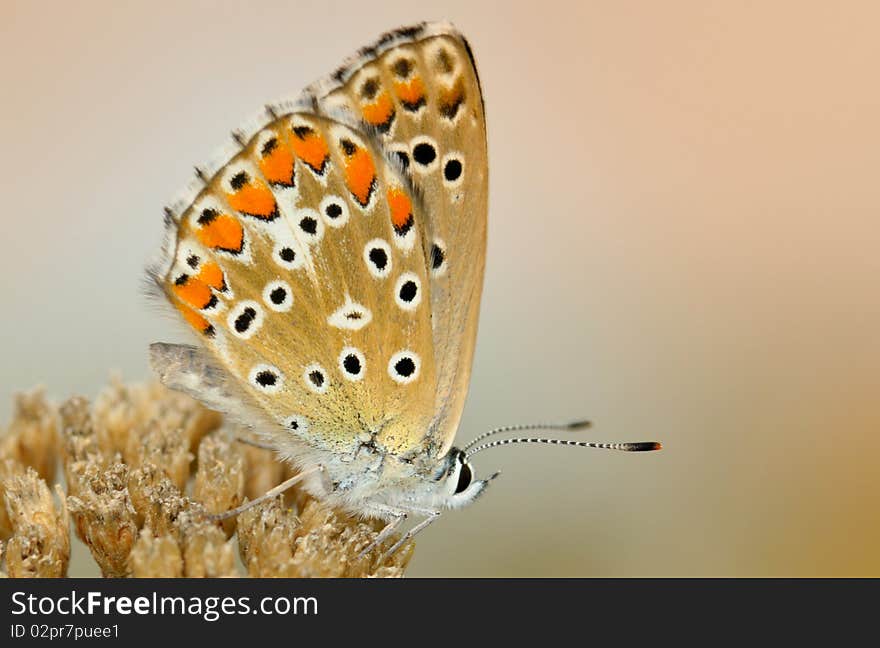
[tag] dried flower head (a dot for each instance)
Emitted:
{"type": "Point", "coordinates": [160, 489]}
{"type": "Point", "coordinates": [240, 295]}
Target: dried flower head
{"type": "Point", "coordinates": [30, 441]}
{"type": "Point", "coordinates": [128, 464]}
{"type": "Point", "coordinates": [153, 557]}
{"type": "Point", "coordinates": [40, 541]}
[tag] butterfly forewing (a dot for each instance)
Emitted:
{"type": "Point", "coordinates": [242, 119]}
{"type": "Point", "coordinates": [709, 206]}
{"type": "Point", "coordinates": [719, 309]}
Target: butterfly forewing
{"type": "Point", "coordinates": [419, 93]}
{"type": "Point", "coordinates": [291, 266]}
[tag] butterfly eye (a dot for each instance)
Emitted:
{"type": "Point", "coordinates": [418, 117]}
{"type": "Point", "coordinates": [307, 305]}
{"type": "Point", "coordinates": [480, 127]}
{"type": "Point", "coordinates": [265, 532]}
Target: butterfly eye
{"type": "Point", "coordinates": [316, 378]}
{"type": "Point", "coordinates": [377, 255]}
{"type": "Point", "coordinates": [278, 296]}
{"type": "Point", "coordinates": [465, 476]}
{"type": "Point", "coordinates": [266, 378]}
{"type": "Point", "coordinates": [404, 367]}
{"type": "Point", "coordinates": [407, 291]}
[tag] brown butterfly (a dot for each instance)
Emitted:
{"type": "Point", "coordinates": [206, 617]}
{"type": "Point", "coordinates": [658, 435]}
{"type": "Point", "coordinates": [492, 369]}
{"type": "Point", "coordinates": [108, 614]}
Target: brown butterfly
{"type": "Point", "coordinates": [331, 261]}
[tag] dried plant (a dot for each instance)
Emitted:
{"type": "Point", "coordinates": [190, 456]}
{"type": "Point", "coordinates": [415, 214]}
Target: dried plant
{"type": "Point", "coordinates": [40, 542]}
{"type": "Point", "coordinates": [129, 463]}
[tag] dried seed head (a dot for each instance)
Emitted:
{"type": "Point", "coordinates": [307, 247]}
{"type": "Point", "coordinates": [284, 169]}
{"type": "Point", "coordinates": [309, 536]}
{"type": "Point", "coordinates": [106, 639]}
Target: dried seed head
{"type": "Point", "coordinates": [219, 482]}
{"type": "Point", "coordinates": [266, 540]}
{"type": "Point", "coordinates": [104, 517]}
{"type": "Point", "coordinates": [40, 542]}
{"type": "Point", "coordinates": [79, 445]}
{"type": "Point", "coordinates": [329, 543]}
{"type": "Point", "coordinates": [207, 553]}
{"type": "Point", "coordinates": [32, 437]}
{"type": "Point", "coordinates": [153, 557]}
{"type": "Point", "coordinates": [155, 443]}
{"type": "Point", "coordinates": [128, 463]}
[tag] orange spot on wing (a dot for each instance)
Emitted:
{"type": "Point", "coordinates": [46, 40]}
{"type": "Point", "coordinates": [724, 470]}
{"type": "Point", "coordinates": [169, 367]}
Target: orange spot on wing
{"type": "Point", "coordinates": [401, 208]}
{"type": "Point", "coordinates": [311, 148]}
{"type": "Point", "coordinates": [411, 92]}
{"type": "Point", "coordinates": [195, 320]}
{"type": "Point", "coordinates": [380, 111]}
{"type": "Point", "coordinates": [277, 166]}
{"type": "Point", "coordinates": [212, 275]}
{"type": "Point", "coordinates": [222, 233]}
{"type": "Point", "coordinates": [254, 199]}
{"type": "Point", "coordinates": [360, 175]}
{"type": "Point", "coordinates": [194, 292]}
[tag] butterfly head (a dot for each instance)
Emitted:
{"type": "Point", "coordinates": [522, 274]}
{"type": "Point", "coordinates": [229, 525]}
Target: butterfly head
{"type": "Point", "coordinates": [457, 482]}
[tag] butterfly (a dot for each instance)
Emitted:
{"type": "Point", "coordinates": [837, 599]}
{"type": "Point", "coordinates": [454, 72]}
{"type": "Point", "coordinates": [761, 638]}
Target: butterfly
{"type": "Point", "coordinates": [330, 260]}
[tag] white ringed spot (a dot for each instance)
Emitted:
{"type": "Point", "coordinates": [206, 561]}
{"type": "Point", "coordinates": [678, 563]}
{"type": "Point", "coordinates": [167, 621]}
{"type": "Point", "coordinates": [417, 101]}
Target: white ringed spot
{"type": "Point", "coordinates": [309, 225]}
{"type": "Point", "coordinates": [352, 363]}
{"type": "Point", "coordinates": [437, 258]}
{"type": "Point", "coordinates": [316, 378]}
{"type": "Point", "coordinates": [377, 256]}
{"type": "Point", "coordinates": [403, 367]}
{"type": "Point", "coordinates": [351, 316]}
{"type": "Point", "coordinates": [289, 256]}
{"type": "Point", "coordinates": [266, 379]}
{"type": "Point", "coordinates": [408, 291]}
{"type": "Point", "coordinates": [424, 154]}
{"type": "Point", "coordinates": [245, 319]}
{"type": "Point", "coordinates": [453, 169]}
{"type": "Point", "coordinates": [334, 211]}
{"type": "Point", "coordinates": [278, 296]}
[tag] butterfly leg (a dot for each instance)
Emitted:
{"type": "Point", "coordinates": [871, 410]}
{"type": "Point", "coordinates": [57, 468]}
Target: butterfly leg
{"type": "Point", "coordinates": [409, 535]}
{"type": "Point", "coordinates": [255, 444]}
{"type": "Point", "coordinates": [386, 531]}
{"type": "Point", "coordinates": [272, 492]}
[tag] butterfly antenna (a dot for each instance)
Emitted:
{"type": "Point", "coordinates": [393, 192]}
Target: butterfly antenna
{"type": "Point", "coordinates": [637, 446]}
{"type": "Point", "coordinates": [574, 425]}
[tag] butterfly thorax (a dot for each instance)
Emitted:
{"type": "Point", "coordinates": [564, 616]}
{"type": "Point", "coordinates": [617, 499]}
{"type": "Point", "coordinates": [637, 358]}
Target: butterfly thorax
{"type": "Point", "coordinates": [378, 483]}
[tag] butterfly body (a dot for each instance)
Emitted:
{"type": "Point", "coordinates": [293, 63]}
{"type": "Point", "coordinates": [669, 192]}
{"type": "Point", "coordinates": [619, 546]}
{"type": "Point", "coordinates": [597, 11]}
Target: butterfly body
{"type": "Point", "coordinates": [330, 262]}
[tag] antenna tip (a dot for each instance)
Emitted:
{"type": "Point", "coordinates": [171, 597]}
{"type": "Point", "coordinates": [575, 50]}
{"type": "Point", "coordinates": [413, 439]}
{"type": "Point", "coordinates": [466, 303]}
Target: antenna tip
{"type": "Point", "coordinates": [648, 446]}
{"type": "Point", "coordinates": [579, 425]}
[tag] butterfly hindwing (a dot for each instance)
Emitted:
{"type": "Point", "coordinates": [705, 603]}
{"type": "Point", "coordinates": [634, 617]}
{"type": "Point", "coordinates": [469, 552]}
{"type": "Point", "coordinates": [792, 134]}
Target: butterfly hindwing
{"type": "Point", "coordinates": [417, 89]}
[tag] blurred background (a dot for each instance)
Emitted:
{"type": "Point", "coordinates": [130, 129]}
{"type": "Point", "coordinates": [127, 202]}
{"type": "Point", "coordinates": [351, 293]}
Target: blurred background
{"type": "Point", "coordinates": [684, 237]}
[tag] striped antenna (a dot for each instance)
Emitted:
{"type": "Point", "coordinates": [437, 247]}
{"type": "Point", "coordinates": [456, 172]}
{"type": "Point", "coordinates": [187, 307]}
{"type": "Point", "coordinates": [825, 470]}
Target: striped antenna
{"type": "Point", "coordinates": [575, 425]}
{"type": "Point", "coordinates": [637, 446]}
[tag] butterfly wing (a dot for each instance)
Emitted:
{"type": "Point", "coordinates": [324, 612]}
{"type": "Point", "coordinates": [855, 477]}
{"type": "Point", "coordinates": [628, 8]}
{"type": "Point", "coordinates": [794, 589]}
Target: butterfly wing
{"type": "Point", "coordinates": [297, 263]}
{"type": "Point", "coordinates": [417, 89]}
{"type": "Point", "coordinates": [303, 255]}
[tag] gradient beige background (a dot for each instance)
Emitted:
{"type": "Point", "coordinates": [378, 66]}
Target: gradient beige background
{"type": "Point", "coordinates": [683, 246]}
